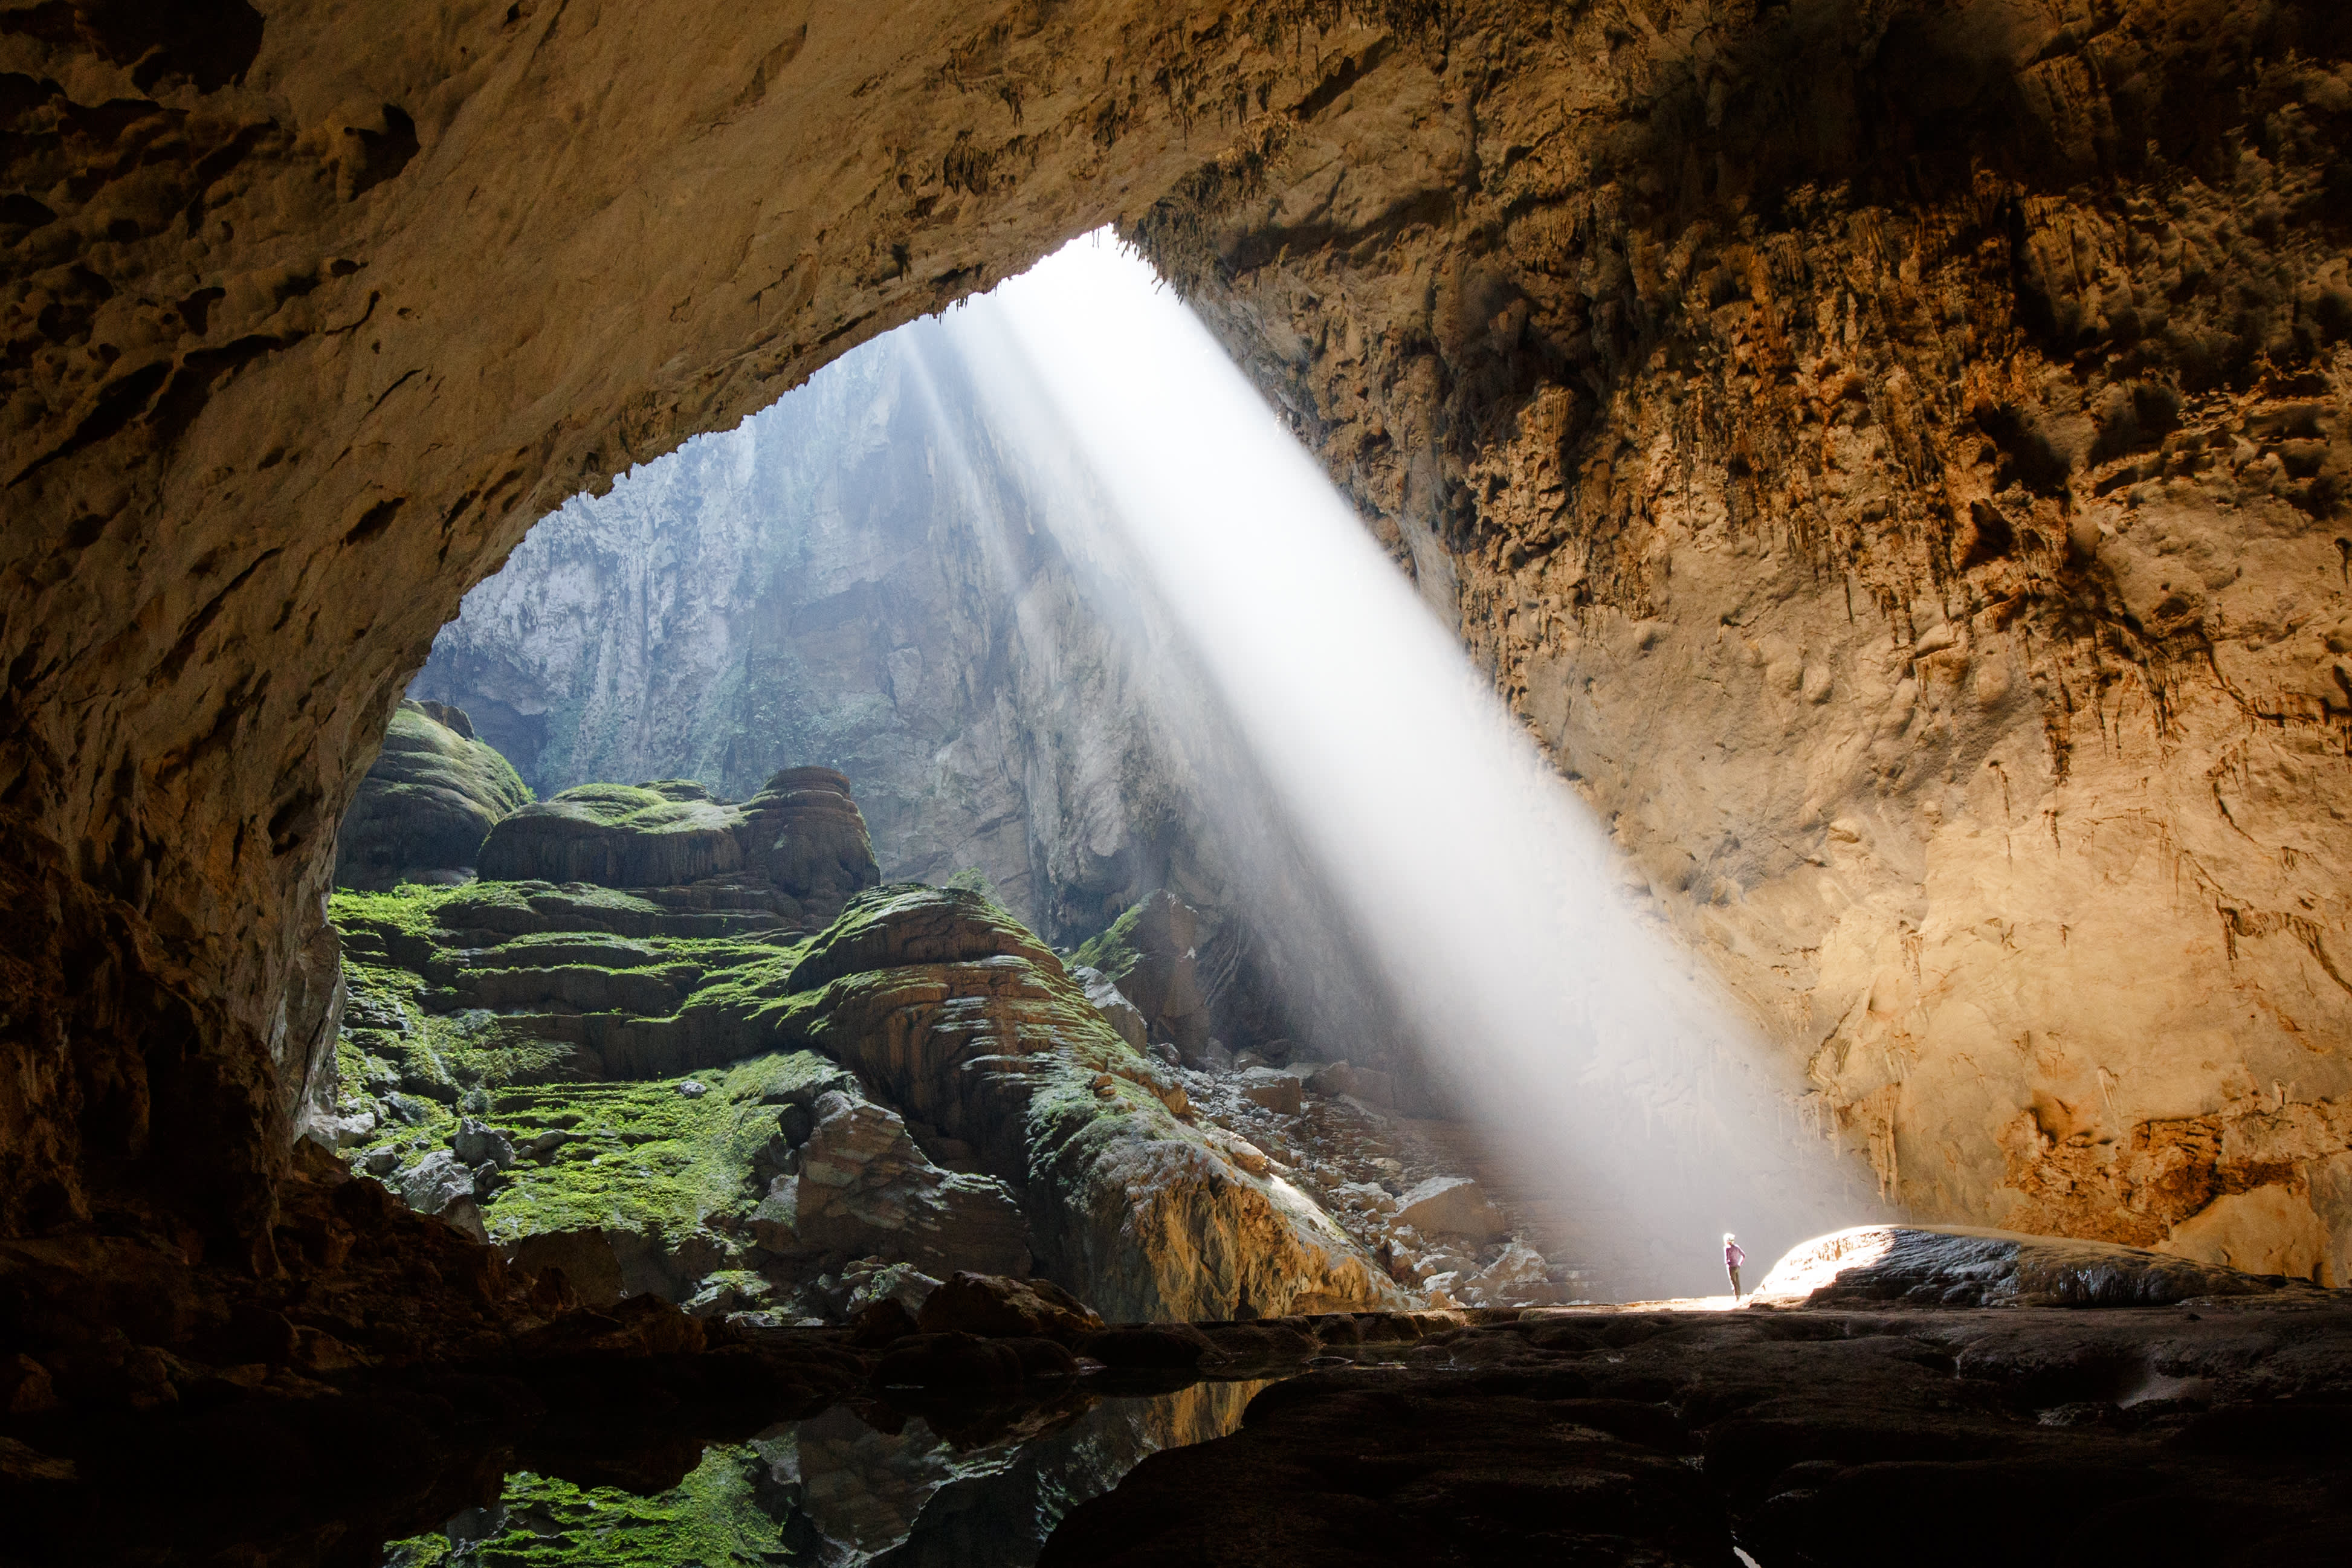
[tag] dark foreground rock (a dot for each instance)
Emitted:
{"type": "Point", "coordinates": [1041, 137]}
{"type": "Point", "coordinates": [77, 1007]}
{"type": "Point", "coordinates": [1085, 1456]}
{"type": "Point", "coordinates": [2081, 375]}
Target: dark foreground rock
{"type": "Point", "coordinates": [2216, 1431]}
{"type": "Point", "coordinates": [2213, 1431]}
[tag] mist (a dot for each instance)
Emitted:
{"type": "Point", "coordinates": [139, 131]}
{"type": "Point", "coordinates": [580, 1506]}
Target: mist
{"type": "Point", "coordinates": [1387, 809]}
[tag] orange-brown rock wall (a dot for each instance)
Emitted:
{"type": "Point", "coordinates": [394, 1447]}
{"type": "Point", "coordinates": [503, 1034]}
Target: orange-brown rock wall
{"type": "Point", "coordinates": [1896, 457]}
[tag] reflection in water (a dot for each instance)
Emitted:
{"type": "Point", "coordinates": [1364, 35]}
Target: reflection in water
{"type": "Point", "coordinates": [844, 1489]}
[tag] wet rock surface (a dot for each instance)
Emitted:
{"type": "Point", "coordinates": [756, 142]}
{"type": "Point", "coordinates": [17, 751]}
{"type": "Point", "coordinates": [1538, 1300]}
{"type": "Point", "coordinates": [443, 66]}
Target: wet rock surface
{"type": "Point", "coordinates": [2209, 1432]}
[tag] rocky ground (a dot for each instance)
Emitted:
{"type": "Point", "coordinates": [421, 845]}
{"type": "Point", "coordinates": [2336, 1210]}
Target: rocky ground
{"type": "Point", "coordinates": [2119, 1405]}
{"type": "Point", "coordinates": [1855, 1412]}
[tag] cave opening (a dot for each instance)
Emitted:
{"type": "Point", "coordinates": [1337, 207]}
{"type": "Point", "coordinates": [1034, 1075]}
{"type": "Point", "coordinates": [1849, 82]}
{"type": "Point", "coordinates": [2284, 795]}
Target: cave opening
{"type": "Point", "coordinates": [1893, 454]}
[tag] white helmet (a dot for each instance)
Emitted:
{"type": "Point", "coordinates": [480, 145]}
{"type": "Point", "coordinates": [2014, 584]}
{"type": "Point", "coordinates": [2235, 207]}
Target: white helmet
{"type": "Point", "coordinates": [1727, 1236]}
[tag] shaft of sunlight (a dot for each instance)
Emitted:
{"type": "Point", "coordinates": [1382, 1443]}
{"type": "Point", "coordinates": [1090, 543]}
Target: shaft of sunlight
{"type": "Point", "coordinates": [1624, 1076]}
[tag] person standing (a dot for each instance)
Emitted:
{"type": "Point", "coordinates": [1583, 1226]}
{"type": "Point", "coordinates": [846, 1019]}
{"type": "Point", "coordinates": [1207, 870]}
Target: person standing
{"type": "Point", "coordinates": [1732, 1259]}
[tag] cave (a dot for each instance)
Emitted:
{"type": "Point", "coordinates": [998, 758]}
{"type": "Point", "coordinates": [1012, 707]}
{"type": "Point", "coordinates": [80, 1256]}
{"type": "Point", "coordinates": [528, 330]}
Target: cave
{"type": "Point", "coordinates": [1885, 459]}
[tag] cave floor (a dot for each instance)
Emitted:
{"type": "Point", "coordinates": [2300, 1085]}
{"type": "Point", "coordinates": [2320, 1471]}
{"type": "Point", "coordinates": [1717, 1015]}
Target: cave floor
{"type": "Point", "coordinates": [2213, 1431]}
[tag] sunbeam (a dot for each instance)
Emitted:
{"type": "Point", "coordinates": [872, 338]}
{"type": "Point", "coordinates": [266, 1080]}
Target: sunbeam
{"type": "Point", "coordinates": [1618, 1073]}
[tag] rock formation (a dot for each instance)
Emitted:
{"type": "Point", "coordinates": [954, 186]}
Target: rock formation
{"type": "Point", "coordinates": [427, 803]}
{"type": "Point", "coordinates": [673, 1089]}
{"type": "Point", "coordinates": [962, 1019]}
{"type": "Point", "coordinates": [801, 839]}
{"type": "Point", "coordinates": [1892, 452]}
{"type": "Point", "coordinates": [1826, 1435]}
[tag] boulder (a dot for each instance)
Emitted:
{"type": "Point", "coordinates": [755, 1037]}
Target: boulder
{"type": "Point", "coordinates": [870, 1281]}
{"type": "Point", "coordinates": [478, 1143]}
{"type": "Point", "coordinates": [863, 1188]}
{"type": "Point", "coordinates": [425, 807]}
{"type": "Point", "coordinates": [1452, 1206]}
{"type": "Point", "coordinates": [1518, 1277]}
{"type": "Point", "coordinates": [1373, 1088]}
{"type": "Point", "coordinates": [616, 835]}
{"type": "Point", "coordinates": [433, 1182]}
{"type": "Point", "coordinates": [1122, 1014]}
{"type": "Point", "coordinates": [1277, 1092]}
{"type": "Point", "coordinates": [345, 1130]}
{"type": "Point", "coordinates": [993, 1306]}
{"type": "Point", "coordinates": [1956, 1266]}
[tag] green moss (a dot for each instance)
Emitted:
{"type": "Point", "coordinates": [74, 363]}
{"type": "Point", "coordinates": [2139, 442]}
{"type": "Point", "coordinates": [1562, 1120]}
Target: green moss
{"type": "Point", "coordinates": [478, 1048]}
{"type": "Point", "coordinates": [388, 927]}
{"type": "Point", "coordinates": [713, 1518]}
{"type": "Point", "coordinates": [642, 1156]}
{"type": "Point", "coordinates": [1113, 950]}
{"type": "Point", "coordinates": [637, 808]}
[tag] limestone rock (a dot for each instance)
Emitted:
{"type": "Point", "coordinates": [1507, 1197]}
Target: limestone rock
{"type": "Point", "coordinates": [343, 1132]}
{"type": "Point", "coordinates": [616, 835]}
{"type": "Point", "coordinates": [1372, 1087]}
{"type": "Point", "coordinates": [804, 833]}
{"type": "Point", "coordinates": [1953, 1266]}
{"type": "Point", "coordinates": [902, 1284]}
{"type": "Point", "coordinates": [427, 802]}
{"type": "Point", "coordinates": [995, 1307]}
{"type": "Point", "coordinates": [1517, 1278]}
{"type": "Point", "coordinates": [1277, 1092]}
{"type": "Point", "coordinates": [590, 1266]}
{"type": "Point", "coordinates": [1150, 953]}
{"type": "Point", "coordinates": [866, 1190]}
{"type": "Point", "coordinates": [960, 1018]}
{"type": "Point", "coordinates": [477, 1142]}
{"type": "Point", "coordinates": [1122, 1014]}
{"type": "Point", "coordinates": [1451, 1206]}
{"type": "Point", "coordinates": [434, 1182]}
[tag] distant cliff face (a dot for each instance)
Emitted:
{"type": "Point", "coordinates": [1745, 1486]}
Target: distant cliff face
{"type": "Point", "coordinates": [854, 578]}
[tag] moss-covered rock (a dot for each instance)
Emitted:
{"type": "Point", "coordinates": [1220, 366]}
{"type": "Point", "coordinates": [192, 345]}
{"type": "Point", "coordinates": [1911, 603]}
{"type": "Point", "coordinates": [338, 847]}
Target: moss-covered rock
{"type": "Point", "coordinates": [797, 848]}
{"type": "Point", "coordinates": [949, 1009]}
{"type": "Point", "coordinates": [426, 806]}
{"type": "Point", "coordinates": [643, 1158]}
{"type": "Point", "coordinates": [616, 835]}
{"type": "Point", "coordinates": [727, 1514]}
{"type": "Point", "coordinates": [568, 1021]}
{"type": "Point", "coordinates": [1150, 954]}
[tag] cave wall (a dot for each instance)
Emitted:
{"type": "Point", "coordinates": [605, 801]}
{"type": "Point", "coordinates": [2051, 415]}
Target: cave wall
{"type": "Point", "coordinates": [1896, 457]}
{"type": "Point", "coordinates": [311, 312]}
{"type": "Point", "coordinates": [1889, 449]}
